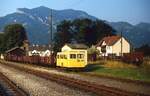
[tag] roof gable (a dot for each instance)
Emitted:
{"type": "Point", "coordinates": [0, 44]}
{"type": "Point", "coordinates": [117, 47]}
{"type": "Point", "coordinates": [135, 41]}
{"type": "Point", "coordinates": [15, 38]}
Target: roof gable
{"type": "Point", "coordinates": [110, 40]}
{"type": "Point", "coordinates": [16, 51]}
{"type": "Point", "coordinates": [12, 49]}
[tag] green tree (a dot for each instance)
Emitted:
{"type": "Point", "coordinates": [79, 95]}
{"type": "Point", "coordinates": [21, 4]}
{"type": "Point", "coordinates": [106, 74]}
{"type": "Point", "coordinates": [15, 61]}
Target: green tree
{"type": "Point", "coordinates": [81, 31]}
{"type": "Point", "coordinates": [14, 35]}
{"type": "Point", "coordinates": [63, 35]}
{"type": "Point", "coordinates": [1, 42]}
{"type": "Point", "coordinates": [90, 32]}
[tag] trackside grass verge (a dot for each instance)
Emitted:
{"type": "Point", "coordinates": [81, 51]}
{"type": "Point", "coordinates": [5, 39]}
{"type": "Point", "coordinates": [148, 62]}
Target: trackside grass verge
{"type": "Point", "coordinates": [121, 70]}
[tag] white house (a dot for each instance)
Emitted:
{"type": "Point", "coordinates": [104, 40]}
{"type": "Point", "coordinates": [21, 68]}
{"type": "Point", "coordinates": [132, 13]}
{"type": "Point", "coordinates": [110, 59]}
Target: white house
{"type": "Point", "coordinates": [113, 45]}
{"type": "Point", "coordinates": [39, 50]}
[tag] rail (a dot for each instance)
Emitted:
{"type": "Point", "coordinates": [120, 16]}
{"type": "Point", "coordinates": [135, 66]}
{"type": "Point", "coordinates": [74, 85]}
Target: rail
{"type": "Point", "coordinates": [79, 84]}
{"type": "Point", "coordinates": [9, 88]}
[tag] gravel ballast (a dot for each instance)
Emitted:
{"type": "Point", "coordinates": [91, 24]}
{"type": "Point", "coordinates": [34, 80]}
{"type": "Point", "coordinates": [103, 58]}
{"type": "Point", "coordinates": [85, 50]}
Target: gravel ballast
{"type": "Point", "coordinates": [36, 86]}
{"type": "Point", "coordinates": [132, 87]}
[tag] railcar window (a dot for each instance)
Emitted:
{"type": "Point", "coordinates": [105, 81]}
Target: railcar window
{"type": "Point", "coordinates": [65, 57]}
{"type": "Point", "coordinates": [72, 56]}
{"type": "Point", "coordinates": [61, 56]}
{"type": "Point", "coordinates": [80, 56]}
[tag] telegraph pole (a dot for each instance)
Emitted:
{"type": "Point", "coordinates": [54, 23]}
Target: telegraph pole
{"type": "Point", "coordinates": [51, 38]}
{"type": "Point", "coordinates": [51, 33]}
{"type": "Point", "coordinates": [121, 44]}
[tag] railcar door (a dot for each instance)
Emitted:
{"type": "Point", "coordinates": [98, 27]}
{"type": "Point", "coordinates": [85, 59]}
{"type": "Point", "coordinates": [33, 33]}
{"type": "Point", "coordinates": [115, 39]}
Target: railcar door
{"type": "Point", "coordinates": [81, 60]}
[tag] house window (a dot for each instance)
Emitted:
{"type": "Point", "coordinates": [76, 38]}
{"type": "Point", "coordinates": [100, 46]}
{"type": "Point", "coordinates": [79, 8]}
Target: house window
{"type": "Point", "coordinates": [72, 56]}
{"type": "Point", "coordinates": [103, 49]}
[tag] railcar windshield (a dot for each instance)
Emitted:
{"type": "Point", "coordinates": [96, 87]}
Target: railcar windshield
{"type": "Point", "coordinates": [72, 56]}
{"type": "Point", "coordinates": [80, 56]}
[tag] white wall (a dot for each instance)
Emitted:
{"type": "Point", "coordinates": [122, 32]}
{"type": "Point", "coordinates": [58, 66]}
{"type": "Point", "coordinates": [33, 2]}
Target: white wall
{"type": "Point", "coordinates": [116, 48]}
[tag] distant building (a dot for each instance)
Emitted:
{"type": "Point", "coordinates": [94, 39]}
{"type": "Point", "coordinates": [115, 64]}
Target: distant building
{"type": "Point", "coordinates": [16, 51]}
{"type": "Point", "coordinates": [113, 45]}
{"type": "Point", "coordinates": [39, 50]}
{"type": "Point", "coordinates": [19, 51]}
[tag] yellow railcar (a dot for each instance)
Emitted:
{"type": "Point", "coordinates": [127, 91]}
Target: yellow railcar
{"type": "Point", "coordinates": [72, 56]}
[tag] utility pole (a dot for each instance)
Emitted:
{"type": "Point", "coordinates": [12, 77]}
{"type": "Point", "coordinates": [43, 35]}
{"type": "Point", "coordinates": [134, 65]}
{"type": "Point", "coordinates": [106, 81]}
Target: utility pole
{"type": "Point", "coordinates": [51, 38]}
{"type": "Point", "coordinates": [51, 33]}
{"type": "Point", "coordinates": [121, 45]}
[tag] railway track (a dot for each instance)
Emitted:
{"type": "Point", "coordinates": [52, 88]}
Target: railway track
{"type": "Point", "coordinates": [100, 90]}
{"type": "Point", "coordinates": [8, 88]}
{"type": "Point", "coordinates": [117, 78]}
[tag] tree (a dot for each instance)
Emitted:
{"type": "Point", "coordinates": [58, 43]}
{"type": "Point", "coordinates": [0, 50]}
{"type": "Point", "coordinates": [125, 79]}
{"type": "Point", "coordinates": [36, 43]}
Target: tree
{"type": "Point", "coordinates": [92, 53]}
{"type": "Point", "coordinates": [90, 32]}
{"type": "Point", "coordinates": [81, 31]}
{"type": "Point", "coordinates": [103, 29]}
{"type": "Point", "coordinates": [14, 35]}
{"type": "Point", "coordinates": [63, 35]}
{"type": "Point", "coordinates": [1, 42]}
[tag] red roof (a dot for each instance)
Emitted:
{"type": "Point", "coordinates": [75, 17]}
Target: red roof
{"type": "Point", "coordinates": [110, 40]}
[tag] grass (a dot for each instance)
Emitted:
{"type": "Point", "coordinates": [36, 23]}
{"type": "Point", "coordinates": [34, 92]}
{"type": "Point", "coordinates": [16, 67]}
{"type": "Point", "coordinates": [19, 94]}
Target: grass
{"type": "Point", "coordinates": [122, 70]}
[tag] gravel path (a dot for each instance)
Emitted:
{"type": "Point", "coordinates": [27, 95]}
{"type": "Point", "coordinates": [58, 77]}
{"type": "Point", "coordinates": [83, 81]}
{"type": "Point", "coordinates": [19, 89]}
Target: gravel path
{"type": "Point", "coordinates": [36, 86]}
{"type": "Point", "coordinates": [133, 87]}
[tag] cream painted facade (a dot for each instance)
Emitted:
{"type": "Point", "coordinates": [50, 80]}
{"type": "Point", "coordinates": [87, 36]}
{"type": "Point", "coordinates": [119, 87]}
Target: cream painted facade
{"type": "Point", "coordinates": [115, 48]}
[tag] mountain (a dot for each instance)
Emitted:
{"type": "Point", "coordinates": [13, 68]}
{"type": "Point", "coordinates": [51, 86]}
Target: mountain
{"type": "Point", "coordinates": [37, 24]}
{"type": "Point", "coordinates": [137, 35]}
{"type": "Point", "coordinates": [37, 21]}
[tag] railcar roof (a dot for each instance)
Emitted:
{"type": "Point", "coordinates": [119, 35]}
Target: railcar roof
{"type": "Point", "coordinates": [77, 46]}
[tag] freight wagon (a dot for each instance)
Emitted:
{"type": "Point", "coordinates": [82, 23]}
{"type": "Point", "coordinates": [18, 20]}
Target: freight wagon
{"type": "Point", "coordinates": [135, 57]}
{"type": "Point", "coordinates": [44, 61]}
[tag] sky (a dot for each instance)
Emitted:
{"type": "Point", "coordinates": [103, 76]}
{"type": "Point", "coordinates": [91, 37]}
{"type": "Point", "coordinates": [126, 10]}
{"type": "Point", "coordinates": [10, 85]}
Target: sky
{"type": "Point", "coordinates": [132, 11]}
